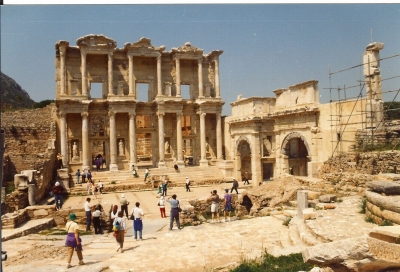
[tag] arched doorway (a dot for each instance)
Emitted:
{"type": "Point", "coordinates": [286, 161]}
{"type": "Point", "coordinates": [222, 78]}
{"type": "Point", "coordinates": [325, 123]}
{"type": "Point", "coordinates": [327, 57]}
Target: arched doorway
{"type": "Point", "coordinates": [243, 158]}
{"type": "Point", "coordinates": [296, 149]}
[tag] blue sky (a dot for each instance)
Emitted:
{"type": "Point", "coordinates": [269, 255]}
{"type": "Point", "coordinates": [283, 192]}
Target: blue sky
{"type": "Point", "coordinates": [266, 46]}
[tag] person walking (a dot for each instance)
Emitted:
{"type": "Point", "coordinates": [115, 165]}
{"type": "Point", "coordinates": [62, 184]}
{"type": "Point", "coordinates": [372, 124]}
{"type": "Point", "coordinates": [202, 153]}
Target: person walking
{"type": "Point", "coordinates": [121, 231]}
{"type": "Point", "coordinates": [73, 241]}
{"type": "Point", "coordinates": [78, 175]}
{"type": "Point", "coordinates": [96, 219]}
{"type": "Point", "coordinates": [214, 198]}
{"type": "Point", "coordinates": [246, 178]}
{"type": "Point", "coordinates": [161, 204]}
{"type": "Point", "coordinates": [89, 187]}
{"type": "Point", "coordinates": [88, 211]}
{"type": "Point", "coordinates": [58, 191]}
{"type": "Point", "coordinates": [83, 176]}
{"type": "Point", "coordinates": [187, 184]}
{"type": "Point", "coordinates": [235, 186]}
{"type": "Point", "coordinates": [124, 205]}
{"type": "Point", "coordinates": [164, 188]}
{"type": "Point", "coordinates": [228, 205]}
{"type": "Point", "coordinates": [134, 173]}
{"type": "Point", "coordinates": [97, 163]}
{"type": "Point", "coordinates": [146, 174]}
{"type": "Point", "coordinates": [113, 215]}
{"type": "Point", "coordinates": [101, 186]}
{"type": "Point", "coordinates": [59, 160]}
{"type": "Point", "coordinates": [137, 222]}
{"type": "Point", "coordinates": [174, 214]}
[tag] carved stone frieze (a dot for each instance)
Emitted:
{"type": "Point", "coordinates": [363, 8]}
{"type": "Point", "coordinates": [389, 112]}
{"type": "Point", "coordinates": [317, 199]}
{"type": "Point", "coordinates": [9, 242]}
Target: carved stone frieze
{"type": "Point", "coordinates": [99, 41]}
{"type": "Point", "coordinates": [188, 49]}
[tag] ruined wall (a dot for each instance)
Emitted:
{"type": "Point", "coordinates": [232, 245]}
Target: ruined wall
{"type": "Point", "coordinates": [29, 142]}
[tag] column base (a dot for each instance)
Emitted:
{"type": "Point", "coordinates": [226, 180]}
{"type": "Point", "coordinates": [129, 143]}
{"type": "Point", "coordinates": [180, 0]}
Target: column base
{"type": "Point", "coordinates": [181, 164]}
{"type": "Point", "coordinates": [203, 163]}
{"type": "Point", "coordinates": [162, 165]}
{"type": "Point", "coordinates": [113, 167]}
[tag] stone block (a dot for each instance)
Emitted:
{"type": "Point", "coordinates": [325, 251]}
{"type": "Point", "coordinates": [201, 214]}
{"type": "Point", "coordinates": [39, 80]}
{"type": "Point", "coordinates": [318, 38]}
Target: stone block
{"type": "Point", "coordinates": [329, 207]}
{"type": "Point", "coordinates": [390, 234]}
{"type": "Point", "coordinates": [289, 213]}
{"type": "Point", "coordinates": [382, 186]}
{"type": "Point", "coordinates": [40, 213]}
{"type": "Point", "coordinates": [313, 203]}
{"type": "Point", "coordinates": [309, 214]}
{"type": "Point", "coordinates": [327, 198]}
{"type": "Point", "coordinates": [302, 202]}
{"type": "Point", "coordinates": [313, 195]}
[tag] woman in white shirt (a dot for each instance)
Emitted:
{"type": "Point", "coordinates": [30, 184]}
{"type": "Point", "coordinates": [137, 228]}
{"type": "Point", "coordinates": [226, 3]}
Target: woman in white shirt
{"type": "Point", "coordinates": [137, 223]}
{"type": "Point", "coordinates": [113, 215]}
{"type": "Point", "coordinates": [73, 240]}
{"type": "Point", "coordinates": [121, 231]}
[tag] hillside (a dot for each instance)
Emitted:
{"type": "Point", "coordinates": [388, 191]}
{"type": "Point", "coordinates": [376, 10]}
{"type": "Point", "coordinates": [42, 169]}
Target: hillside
{"type": "Point", "coordinates": [12, 95]}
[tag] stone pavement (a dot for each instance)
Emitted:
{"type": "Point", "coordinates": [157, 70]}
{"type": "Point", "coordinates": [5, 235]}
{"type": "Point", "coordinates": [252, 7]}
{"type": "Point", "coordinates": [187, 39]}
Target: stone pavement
{"type": "Point", "coordinates": [200, 248]}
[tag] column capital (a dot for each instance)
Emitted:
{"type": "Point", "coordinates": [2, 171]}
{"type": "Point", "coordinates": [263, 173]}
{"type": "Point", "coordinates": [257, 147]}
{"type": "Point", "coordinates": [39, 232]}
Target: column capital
{"type": "Point", "coordinates": [179, 114]}
{"type": "Point", "coordinates": [85, 114]}
{"type": "Point", "coordinates": [132, 115]}
{"type": "Point", "coordinates": [111, 114]}
{"type": "Point", "coordinates": [160, 114]}
{"type": "Point", "coordinates": [110, 54]}
{"type": "Point", "coordinates": [61, 114]}
{"type": "Point", "coordinates": [200, 60]}
{"type": "Point", "coordinates": [83, 53]}
{"type": "Point", "coordinates": [201, 113]}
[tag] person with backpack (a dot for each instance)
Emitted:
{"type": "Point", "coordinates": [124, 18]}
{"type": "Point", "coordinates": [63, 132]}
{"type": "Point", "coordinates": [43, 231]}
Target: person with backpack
{"type": "Point", "coordinates": [119, 227]}
{"type": "Point", "coordinates": [57, 192]}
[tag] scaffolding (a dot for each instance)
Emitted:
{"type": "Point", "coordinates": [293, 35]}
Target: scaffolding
{"type": "Point", "coordinates": [363, 115]}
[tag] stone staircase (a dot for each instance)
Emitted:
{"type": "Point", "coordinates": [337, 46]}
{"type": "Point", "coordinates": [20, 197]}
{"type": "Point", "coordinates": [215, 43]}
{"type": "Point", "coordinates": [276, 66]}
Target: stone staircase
{"type": "Point", "coordinates": [197, 175]}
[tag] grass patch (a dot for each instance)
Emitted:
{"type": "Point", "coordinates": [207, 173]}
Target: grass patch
{"type": "Point", "coordinates": [57, 231]}
{"type": "Point", "coordinates": [369, 219]}
{"type": "Point", "coordinates": [287, 221]}
{"type": "Point", "coordinates": [363, 205]}
{"type": "Point", "coordinates": [113, 182]}
{"type": "Point", "coordinates": [387, 223]}
{"type": "Point", "coordinates": [288, 263]}
{"type": "Point", "coordinates": [10, 187]}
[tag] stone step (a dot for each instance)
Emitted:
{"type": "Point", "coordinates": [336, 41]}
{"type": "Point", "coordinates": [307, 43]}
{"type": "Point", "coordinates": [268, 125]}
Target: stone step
{"type": "Point", "coordinates": [29, 227]}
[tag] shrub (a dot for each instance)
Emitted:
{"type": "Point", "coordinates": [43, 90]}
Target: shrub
{"type": "Point", "coordinates": [287, 221]}
{"type": "Point", "coordinates": [369, 219]}
{"type": "Point", "coordinates": [387, 222]}
{"type": "Point", "coordinates": [363, 205]}
{"type": "Point", "coordinates": [288, 263]}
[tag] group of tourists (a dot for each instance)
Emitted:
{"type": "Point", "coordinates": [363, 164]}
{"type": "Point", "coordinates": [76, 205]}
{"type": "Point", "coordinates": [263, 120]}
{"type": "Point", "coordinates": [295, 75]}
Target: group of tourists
{"type": "Point", "coordinates": [215, 202]}
{"type": "Point", "coordinates": [85, 174]}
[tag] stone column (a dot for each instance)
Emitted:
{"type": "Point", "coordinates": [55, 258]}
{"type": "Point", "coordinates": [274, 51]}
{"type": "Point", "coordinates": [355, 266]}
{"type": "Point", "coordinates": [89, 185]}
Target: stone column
{"type": "Point", "coordinates": [113, 143]}
{"type": "Point", "coordinates": [85, 141]}
{"type": "Point", "coordinates": [219, 137]}
{"type": "Point", "coordinates": [200, 75]}
{"type": "Point", "coordinates": [84, 73]}
{"type": "Point", "coordinates": [217, 89]}
{"type": "Point", "coordinates": [203, 159]}
{"type": "Point", "coordinates": [62, 70]}
{"type": "Point", "coordinates": [131, 83]}
{"type": "Point", "coordinates": [132, 140]}
{"type": "Point", "coordinates": [159, 88]}
{"type": "Point", "coordinates": [63, 131]}
{"type": "Point", "coordinates": [32, 194]}
{"type": "Point", "coordinates": [161, 150]}
{"type": "Point", "coordinates": [110, 74]}
{"type": "Point", "coordinates": [180, 161]}
{"type": "Point", "coordinates": [178, 78]}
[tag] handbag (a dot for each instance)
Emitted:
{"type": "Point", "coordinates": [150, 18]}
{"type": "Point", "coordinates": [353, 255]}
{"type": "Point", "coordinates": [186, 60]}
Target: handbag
{"type": "Point", "coordinates": [132, 217]}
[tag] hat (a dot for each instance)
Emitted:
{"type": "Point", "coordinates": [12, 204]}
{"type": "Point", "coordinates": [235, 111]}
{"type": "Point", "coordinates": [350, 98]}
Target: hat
{"type": "Point", "coordinates": [226, 190]}
{"type": "Point", "coordinates": [186, 177]}
{"type": "Point", "coordinates": [57, 183]}
{"type": "Point", "coordinates": [72, 216]}
{"type": "Point", "coordinates": [122, 195]}
{"type": "Point", "coordinates": [161, 197]}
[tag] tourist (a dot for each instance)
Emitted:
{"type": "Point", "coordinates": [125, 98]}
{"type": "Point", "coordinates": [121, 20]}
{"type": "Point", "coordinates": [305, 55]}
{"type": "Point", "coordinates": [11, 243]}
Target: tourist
{"type": "Point", "coordinates": [235, 186]}
{"type": "Point", "coordinates": [89, 186]}
{"type": "Point", "coordinates": [94, 189]}
{"type": "Point", "coordinates": [228, 204]}
{"type": "Point", "coordinates": [137, 222]}
{"type": "Point", "coordinates": [88, 211]}
{"type": "Point", "coordinates": [83, 176]}
{"type": "Point", "coordinates": [176, 166]}
{"type": "Point", "coordinates": [146, 174]}
{"type": "Point", "coordinates": [89, 175]}
{"type": "Point", "coordinates": [187, 184]}
{"type": "Point", "coordinates": [161, 204]}
{"type": "Point", "coordinates": [57, 192]}
{"type": "Point", "coordinates": [246, 178]}
{"type": "Point", "coordinates": [101, 186]}
{"type": "Point", "coordinates": [134, 173]}
{"type": "Point", "coordinates": [96, 219]}
{"type": "Point", "coordinates": [124, 205]}
{"type": "Point", "coordinates": [113, 215]}
{"type": "Point", "coordinates": [174, 214]}
{"type": "Point", "coordinates": [78, 175]}
{"type": "Point", "coordinates": [73, 240]}
{"type": "Point", "coordinates": [104, 161]}
{"type": "Point", "coordinates": [160, 189]}
{"type": "Point", "coordinates": [100, 158]}
{"type": "Point", "coordinates": [121, 231]}
{"type": "Point", "coordinates": [164, 188]}
{"type": "Point", "coordinates": [214, 198]}
{"type": "Point", "coordinates": [97, 163]}
{"type": "Point", "coordinates": [59, 160]}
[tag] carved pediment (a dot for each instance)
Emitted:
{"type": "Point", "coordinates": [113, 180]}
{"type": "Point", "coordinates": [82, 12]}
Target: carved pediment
{"type": "Point", "coordinates": [188, 49]}
{"type": "Point", "coordinates": [96, 41]}
{"type": "Point", "coordinates": [143, 43]}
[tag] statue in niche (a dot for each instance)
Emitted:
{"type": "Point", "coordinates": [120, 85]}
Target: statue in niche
{"type": "Point", "coordinates": [267, 150]}
{"type": "Point", "coordinates": [75, 152]}
{"type": "Point", "coordinates": [121, 148]}
{"type": "Point", "coordinates": [166, 147]}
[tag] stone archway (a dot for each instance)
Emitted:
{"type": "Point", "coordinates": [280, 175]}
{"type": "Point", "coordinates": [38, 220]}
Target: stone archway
{"type": "Point", "coordinates": [296, 151]}
{"type": "Point", "coordinates": [243, 157]}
